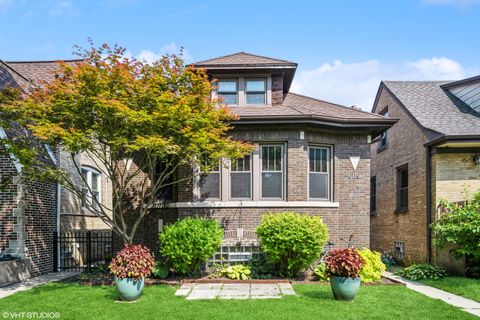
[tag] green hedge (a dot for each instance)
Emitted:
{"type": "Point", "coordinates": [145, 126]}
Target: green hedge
{"type": "Point", "coordinates": [293, 241]}
{"type": "Point", "coordinates": [190, 242]}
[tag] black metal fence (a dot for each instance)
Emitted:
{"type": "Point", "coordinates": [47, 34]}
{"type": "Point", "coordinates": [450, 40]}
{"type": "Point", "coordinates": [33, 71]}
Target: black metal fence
{"type": "Point", "coordinates": [81, 250]}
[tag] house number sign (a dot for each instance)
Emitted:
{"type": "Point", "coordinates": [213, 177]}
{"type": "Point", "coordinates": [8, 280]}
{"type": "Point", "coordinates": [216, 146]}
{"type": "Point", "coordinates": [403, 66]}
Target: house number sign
{"type": "Point", "coordinates": [354, 175]}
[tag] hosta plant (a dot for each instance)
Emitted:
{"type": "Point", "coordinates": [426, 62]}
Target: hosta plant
{"type": "Point", "coordinates": [237, 272]}
{"type": "Point", "coordinates": [133, 261]}
{"type": "Point", "coordinates": [373, 266]}
{"type": "Point", "coordinates": [344, 263]}
{"type": "Point", "coordinates": [422, 271]}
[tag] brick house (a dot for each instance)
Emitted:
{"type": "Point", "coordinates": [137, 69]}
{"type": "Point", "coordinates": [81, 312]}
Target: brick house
{"type": "Point", "coordinates": [311, 156]}
{"type": "Point", "coordinates": [431, 153]}
{"type": "Point", "coordinates": [31, 211]}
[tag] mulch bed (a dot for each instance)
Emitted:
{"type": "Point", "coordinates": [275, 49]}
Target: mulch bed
{"type": "Point", "coordinates": [105, 279]}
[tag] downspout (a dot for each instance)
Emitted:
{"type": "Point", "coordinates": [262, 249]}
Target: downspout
{"type": "Point", "coordinates": [59, 191]}
{"type": "Point", "coordinates": [428, 172]}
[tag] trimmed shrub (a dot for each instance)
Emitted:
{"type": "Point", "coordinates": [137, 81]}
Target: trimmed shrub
{"type": "Point", "coordinates": [344, 263]}
{"type": "Point", "coordinates": [291, 240]}
{"type": "Point", "coordinates": [421, 271]}
{"type": "Point", "coordinates": [190, 242]}
{"type": "Point", "coordinates": [373, 267]}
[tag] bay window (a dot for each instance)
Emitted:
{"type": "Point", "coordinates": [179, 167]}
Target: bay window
{"type": "Point", "coordinates": [319, 173]}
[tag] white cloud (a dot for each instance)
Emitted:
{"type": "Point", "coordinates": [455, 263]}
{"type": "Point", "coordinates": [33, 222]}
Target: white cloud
{"type": "Point", "coordinates": [170, 48]}
{"type": "Point", "coordinates": [357, 83]}
{"type": "Point", "coordinates": [63, 8]}
{"type": "Point", "coordinates": [458, 3]}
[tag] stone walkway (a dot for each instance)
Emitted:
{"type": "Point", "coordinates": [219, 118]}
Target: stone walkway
{"type": "Point", "coordinates": [201, 291]}
{"type": "Point", "coordinates": [465, 304]}
{"type": "Point", "coordinates": [35, 282]}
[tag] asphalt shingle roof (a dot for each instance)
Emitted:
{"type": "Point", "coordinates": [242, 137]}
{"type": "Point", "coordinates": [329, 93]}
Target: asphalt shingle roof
{"type": "Point", "coordinates": [297, 105]}
{"type": "Point", "coordinates": [435, 108]}
{"type": "Point", "coordinates": [10, 78]}
{"type": "Point", "coordinates": [244, 59]}
{"type": "Point", "coordinates": [38, 72]}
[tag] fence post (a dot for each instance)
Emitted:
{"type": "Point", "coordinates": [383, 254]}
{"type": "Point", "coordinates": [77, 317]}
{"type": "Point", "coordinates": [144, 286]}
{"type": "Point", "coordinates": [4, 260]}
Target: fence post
{"type": "Point", "coordinates": [55, 251]}
{"type": "Point", "coordinates": [89, 250]}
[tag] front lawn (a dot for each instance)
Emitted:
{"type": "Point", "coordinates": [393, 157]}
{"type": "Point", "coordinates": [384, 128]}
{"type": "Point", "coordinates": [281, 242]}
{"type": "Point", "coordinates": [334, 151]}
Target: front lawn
{"type": "Point", "coordinates": [465, 287]}
{"type": "Point", "coordinates": [73, 301]}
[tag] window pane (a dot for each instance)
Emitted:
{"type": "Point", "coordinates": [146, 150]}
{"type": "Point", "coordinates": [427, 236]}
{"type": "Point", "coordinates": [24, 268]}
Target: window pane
{"type": "Point", "coordinates": [255, 98]}
{"type": "Point", "coordinates": [318, 184]}
{"type": "Point", "coordinates": [240, 184]}
{"type": "Point", "coordinates": [227, 86]}
{"type": "Point", "coordinates": [210, 185]}
{"type": "Point", "coordinates": [404, 198]}
{"type": "Point", "coordinates": [256, 85]}
{"type": "Point", "coordinates": [228, 98]}
{"type": "Point", "coordinates": [272, 185]}
{"type": "Point", "coordinates": [318, 158]}
{"type": "Point", "coordinates": [404, 179]}
{"type": "Point", "coordinates": [94, 182]}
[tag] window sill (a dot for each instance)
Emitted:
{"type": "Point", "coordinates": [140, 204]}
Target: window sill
{"type": "Point", "coordinates": [250, 204]}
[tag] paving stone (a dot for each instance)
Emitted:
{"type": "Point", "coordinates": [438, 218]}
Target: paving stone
{"type": "Point", "coordinates": [202, 286]}
{"type": "Point", "coordinates": [235, 293]}
{"type": "Point", "coordinates": [234, 286]}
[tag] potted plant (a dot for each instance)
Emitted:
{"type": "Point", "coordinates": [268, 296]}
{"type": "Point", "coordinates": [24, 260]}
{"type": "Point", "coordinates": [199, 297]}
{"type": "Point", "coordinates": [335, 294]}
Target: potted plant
{"type": "Point", "coordinates": [344, 266]}
{"type": "Point", "coordinates": [130, 266]}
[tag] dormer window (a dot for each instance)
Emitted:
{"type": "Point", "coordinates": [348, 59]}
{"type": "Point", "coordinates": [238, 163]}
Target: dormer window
{"type": "Point", "coordinates": [238, 90]}
{"type": "Point", "coordinates": [255, 91]}
{"type": "Point", "coordinates": [228, 91]}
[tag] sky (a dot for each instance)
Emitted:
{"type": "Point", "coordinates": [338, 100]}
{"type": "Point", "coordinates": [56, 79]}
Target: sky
{"type": "Point", "coordinates": [343, 48]}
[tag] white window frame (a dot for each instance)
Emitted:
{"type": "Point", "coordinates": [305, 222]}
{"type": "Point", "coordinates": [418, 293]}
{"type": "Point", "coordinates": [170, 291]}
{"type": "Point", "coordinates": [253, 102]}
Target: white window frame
{"type": "Point", "coordinates": [329, 172]}
{"type": "Point", "coordinates": [241, 86]}
{"type": "Point", "coordinates": [283, 171]}
{"type": "Point", "coordinates": [89, 196]}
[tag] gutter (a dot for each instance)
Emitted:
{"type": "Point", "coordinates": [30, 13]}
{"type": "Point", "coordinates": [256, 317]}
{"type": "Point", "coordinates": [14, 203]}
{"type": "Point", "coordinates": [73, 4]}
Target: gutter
{"type": "Point", "coordinates": [456, 138]}
{"type": "Point", "coordinates": [59, 191]}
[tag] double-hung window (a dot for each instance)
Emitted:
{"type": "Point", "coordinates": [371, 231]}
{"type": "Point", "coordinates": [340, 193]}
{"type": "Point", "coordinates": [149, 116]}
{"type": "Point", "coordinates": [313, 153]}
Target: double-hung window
{"type": "Point", "coordinates": [255, 91]}
{"type": "Point", "coordinates": [272, 171]}
{"type": "Point", "coordinates": [228, 91]}
{"type": "Point", "coordinates": [319, 173]}
{"type": "Point", "coordinates": [373, 195]}
{"type": "Point", "coordinates": [90, 187]}
{"type": "Point", "coordinates": [210, 184]}
{"type": "Point", "coordinates": [241, 178]}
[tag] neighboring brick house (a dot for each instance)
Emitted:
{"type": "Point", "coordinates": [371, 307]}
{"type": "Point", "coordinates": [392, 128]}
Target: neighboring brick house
{"type": "Point", "coordinates": [430, 154]}
{"type": "Point", "coordinates": [31, 211]}
{"type": "Point", "coordinates": [311, 156]}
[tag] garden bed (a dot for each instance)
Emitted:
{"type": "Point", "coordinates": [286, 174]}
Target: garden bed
{"type": "Point", "coordinates": [106, 279]}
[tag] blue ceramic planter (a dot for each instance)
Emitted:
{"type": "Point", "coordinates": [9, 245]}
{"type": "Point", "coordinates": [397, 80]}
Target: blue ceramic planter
{"type": "Point", "coordinates": [344, 288]}
{"type": "Point", "coordinates": [129, 289]}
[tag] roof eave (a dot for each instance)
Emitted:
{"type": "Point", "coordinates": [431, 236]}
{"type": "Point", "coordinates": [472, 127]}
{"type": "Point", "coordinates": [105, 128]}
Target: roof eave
{"type": "Point", "coordinates": [452, 138]}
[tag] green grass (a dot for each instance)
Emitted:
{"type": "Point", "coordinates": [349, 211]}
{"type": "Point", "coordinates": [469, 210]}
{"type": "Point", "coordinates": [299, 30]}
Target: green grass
{"type": "Point", "coordinates": [73, 301]}
{"type": "Point", "coordinates": [465, 287]}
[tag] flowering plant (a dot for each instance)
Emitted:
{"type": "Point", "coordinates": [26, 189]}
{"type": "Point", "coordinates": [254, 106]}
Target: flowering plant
{"type": "Point", "coordinates": [344, 262]}
{"type": "Point", "coordinates": [133, 261]}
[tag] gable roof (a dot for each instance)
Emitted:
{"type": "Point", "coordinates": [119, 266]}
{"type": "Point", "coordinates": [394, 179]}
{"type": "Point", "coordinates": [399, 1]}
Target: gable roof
{"type": "Point", "coordinates": [244, 59]}
{"type": "Point", "coordinates": [39, 72]}
{"type": "Point", "coordinates": [434, 108]}
{"type": "Point", "coordinates": [10, 78]}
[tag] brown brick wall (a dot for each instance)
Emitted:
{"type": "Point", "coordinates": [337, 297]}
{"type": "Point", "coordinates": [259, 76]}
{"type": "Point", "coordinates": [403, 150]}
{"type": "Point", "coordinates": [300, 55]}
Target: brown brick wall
{"type": "Point", "coordinates": [351, 217]}
{"type": "Point", "coordinates": [406, 142]}
{"type": "Point", "coordinates": [27, 217]}
{"type": "Point", "coordinates": [277, 89]}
